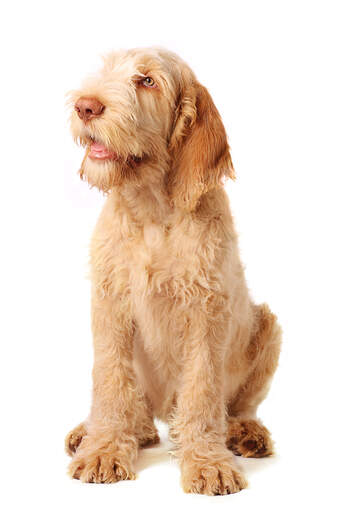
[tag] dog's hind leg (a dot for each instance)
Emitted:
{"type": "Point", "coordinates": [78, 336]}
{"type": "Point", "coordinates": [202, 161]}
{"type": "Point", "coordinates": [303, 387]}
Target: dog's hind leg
{"type": "Point", "coordinates": [246, 435]}
{"type": "Point", "coordinates": [147, 433]}
{"type": "Point", "coordinates": [74, 438]}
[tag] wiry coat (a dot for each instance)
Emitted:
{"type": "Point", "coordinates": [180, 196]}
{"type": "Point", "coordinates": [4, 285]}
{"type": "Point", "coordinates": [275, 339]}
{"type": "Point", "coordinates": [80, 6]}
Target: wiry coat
{"type": "Point", "coordinates": [176, 334]}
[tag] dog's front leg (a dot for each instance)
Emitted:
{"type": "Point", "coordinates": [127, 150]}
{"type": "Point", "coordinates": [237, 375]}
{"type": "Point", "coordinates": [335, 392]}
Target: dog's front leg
{"type": "Point", "coordinates": [108, 451]}
{"type": "Point", "coordinates": [198, 429]}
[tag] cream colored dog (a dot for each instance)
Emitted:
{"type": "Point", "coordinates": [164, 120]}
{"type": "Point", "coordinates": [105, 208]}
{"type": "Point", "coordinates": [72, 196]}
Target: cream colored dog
{"type": "Point", "coordinates": [176, 334]}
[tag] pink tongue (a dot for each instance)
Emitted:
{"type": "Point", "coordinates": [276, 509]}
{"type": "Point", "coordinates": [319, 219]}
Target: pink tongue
{"type": "Point", "coordinates": [100, 152]}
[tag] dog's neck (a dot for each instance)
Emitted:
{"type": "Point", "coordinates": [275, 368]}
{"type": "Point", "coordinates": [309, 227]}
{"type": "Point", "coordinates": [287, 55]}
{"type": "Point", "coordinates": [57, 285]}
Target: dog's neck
{"type": "Point", "coordinates": [147, 200]}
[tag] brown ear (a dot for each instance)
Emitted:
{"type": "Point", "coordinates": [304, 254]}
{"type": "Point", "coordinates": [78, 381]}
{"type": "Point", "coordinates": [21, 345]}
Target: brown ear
{"type": "Point", "coordinates": [199, 147]}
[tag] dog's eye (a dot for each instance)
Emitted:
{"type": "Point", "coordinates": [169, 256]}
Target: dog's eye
{"type": "Point", "coordinates": [148, 82]}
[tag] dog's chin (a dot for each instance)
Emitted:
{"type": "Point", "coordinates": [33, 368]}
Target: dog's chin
{"type": "Point", "coordinates": [106, 173]}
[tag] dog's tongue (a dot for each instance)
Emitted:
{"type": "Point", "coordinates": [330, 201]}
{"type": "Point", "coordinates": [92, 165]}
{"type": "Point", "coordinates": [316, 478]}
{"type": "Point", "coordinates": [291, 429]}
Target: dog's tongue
{"type": "Point", "coordinates": [100, 152]}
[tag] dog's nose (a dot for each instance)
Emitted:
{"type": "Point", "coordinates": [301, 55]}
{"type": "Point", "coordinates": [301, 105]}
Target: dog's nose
{"type": "Point", "coordinates": [88, 108]}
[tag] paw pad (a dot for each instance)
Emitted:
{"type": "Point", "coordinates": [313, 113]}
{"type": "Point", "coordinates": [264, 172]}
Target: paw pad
{"type": "Point", "coordinates": [249, 438]}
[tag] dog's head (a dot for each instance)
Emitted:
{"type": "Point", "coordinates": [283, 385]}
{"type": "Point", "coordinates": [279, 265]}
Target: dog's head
{"type": "Point", "coordinates": [147, 105]}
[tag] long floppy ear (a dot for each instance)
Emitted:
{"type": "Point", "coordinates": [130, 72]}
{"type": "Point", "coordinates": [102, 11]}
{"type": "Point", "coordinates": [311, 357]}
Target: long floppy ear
{"type": "Point", "coordinates": [199, 148]}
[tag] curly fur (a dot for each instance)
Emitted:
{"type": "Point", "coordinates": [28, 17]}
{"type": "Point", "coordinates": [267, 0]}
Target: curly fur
{"type": "Point", "coordinates": [176, 334]}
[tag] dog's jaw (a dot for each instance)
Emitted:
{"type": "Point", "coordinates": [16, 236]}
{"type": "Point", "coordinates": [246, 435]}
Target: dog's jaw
{"type": "Point", "coordinates": [107, 173]}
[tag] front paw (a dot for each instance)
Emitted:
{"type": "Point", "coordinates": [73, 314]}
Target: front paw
{"type": "Point", "coordinates": [101, 463]}
{"type": "Point", "coordinates": [211, 478]}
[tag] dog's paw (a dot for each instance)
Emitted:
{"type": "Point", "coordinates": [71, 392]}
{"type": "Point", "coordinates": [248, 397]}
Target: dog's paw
{"type": "Point", "coordinates": [249, 438]}
{"type": "Point", "coordinates": [100, 468]}
{"type": "Point", "coordinates": [212, 478]}
{"type": "Point", "coordinates": [74, 439]}
{"type": "Point", "coordinates": [96, 462]}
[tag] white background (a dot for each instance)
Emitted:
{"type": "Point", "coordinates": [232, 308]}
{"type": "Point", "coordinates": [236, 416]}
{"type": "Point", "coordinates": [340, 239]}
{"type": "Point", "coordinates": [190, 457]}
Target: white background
{"type": "Point", "coordinates": [273, 69]}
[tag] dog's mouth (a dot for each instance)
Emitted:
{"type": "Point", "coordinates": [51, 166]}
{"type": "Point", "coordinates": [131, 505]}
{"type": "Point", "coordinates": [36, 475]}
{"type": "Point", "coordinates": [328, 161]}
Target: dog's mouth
{"type": "Point", "coordinates": [98, 151]}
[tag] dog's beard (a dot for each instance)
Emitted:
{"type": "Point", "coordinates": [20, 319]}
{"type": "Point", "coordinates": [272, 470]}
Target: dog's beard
{"type": "Point", "coordinates": [106, 174]}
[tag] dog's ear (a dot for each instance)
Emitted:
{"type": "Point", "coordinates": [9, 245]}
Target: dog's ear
{"type": "Point", "coordinates": [198, 147]}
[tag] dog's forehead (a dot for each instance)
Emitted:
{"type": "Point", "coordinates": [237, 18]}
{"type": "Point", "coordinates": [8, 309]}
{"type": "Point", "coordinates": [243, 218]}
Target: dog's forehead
{"type": "Point", "coordinates": [129, 63]}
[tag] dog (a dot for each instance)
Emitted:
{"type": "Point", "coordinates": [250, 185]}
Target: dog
{"type": "Point", "coordinates": [176, 334]}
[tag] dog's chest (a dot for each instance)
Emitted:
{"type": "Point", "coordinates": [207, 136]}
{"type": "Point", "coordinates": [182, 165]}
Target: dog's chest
{"type": "Point", "coordinates": [161, 265]}
{"type": "Point", "coordinates": [154, 254]}
{"type": "Point", "coordinates": [154, 238]}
